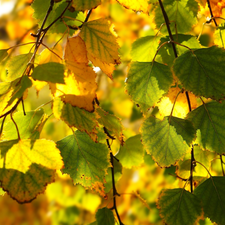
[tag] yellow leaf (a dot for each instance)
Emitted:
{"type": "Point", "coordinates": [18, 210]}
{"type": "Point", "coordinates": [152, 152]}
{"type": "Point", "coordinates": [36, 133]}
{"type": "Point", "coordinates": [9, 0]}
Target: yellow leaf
{"type": "Point", "coordinates": [136, 5]}
{"type": "Point", "coordinates": [75, 50]}
{"type": "Point", "coordinates": [106, 68]}
{"type": "Point", "coordinates": [99, 41]}
{"type": "Point", "coordinates": [79, 88]}
{"type": "Point", "coordinates": [20, 155]}
{"type": "Point", "coordinates": [47, 55]}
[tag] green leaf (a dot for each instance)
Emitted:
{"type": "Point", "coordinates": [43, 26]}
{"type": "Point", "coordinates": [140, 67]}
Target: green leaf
{"type": "Point", "coordinates": [144, 49]}
{"type": "Point", "coordinates": [105, 216]}
{"type": "Point", "coordinates": [219, 35]}
{"type": "Point", "coordinates": [76, 117]}
{"type": "Point", "coordinates": [183, 13]}
{"type": "Point", "coordinates": [211, 193]}
{"type": "Point", "coordinates": [209, 120]}
{"type": "Point", "coordinates": [26, 124]}
{"type": "Point", "coordinates": [3, 54]}
{"type": "Point", "coordinates": [178, 206]}
{"type": "Point", "coordinates": [196, 70]}
{"type": "Point", "coordinates": [117, 175]}
{"type": "Point", "coordinates": [50, 72]}
{"type": "Point", "coordinates": [132, 152]}
{"type": "Point", "coordinates": [99, 41]}
{"type": "Point", "coordinates": [17, 66]}
{"type": "Point", "coordinates": [85, 161]}
{"type": "Point", "coordinates": [147, 82]}
{"type": "Point", "coordinates": [111, 123]}
{"type": "Point", "coordinates": [167, 140]}
{"type": "Point", "coordinates": [24, 187]}
{"type": "Point", "coordinates": [41, 7]}
{"type": "Point", "coordinates": [87, 4]}
{"type": "Point", "coordinates": [19, 86]}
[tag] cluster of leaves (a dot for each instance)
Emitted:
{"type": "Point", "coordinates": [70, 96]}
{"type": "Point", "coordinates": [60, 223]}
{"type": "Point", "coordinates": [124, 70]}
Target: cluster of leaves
{"type": "Point", "coordinates": [177, 82]}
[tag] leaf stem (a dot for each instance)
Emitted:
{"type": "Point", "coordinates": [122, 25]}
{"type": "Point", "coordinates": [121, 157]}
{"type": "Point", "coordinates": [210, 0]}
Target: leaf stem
{"type": "Point", "coordinates": [221, 160]}
{"type": "Point", "coordinates": [17, 129]}
{"type": "Point", "coordinates": [210, 9]}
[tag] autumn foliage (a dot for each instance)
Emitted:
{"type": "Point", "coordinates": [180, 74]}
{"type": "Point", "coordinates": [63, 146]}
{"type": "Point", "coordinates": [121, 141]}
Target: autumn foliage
{"type": "Point", "coordinates": [114, 110]}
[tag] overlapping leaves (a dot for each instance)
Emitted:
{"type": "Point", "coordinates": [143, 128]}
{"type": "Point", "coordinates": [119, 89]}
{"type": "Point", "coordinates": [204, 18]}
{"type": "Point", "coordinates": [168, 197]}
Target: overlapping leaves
{"type": "Point", "coordinates": [167, 140]}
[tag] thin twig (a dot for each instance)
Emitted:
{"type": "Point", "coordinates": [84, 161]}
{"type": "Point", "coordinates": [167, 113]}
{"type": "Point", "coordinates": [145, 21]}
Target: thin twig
{"type": "Point", "coordinates": [17, 129]}
{"type": "Point", "coordinates": [24, 112]}
{"type": "Point", "coordinates": [210, 9]}
{"type": "Point", "coordinates": [221, 160]}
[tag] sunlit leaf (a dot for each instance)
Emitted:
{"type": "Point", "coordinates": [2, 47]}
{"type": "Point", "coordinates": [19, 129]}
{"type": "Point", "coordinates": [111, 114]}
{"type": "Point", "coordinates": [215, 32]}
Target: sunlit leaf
{"type": "Point", "coordinates": [204, 157]}
{"type": "Point", "coordinates": [20, 154]}
{"type": "Point", "coordinates": [132, 152]}
{"type": "Point", "coordinates": [76, 117]}
{"type": "Point", "coordinates": [11, 92]}
{"type": "Point", "coordinates": [209, 120]}
{"type": "Point", "coordinates": [167, 140]}
{"type": "Point", "coordinates": [105, 216]}
{"type": "Point", "coordinates": [147, 82]}
{"type": "Point", "coordinates": [79, 89]}
{"type": "Point", "coordinates": [24, 187]}
{"type": "Point", "coordinates": [75, 50]}
{"type": "Point", "coordinates": [178, 206]}
{"type": "Point", "coordinates": [211, 193]}
{"type": "Point", "coordinates": [87, 4]}
{"type": "Point", "coordinates": [196, 70]}
{"type": "Point", "coordinates": [106, 68]}
{"type": "Point", "coordinates": [100, 42]}
{"type": "Point", "coordinates": [117, 169]}
{"type": "Point", "coordinates": [85, 161]}
{"type": "Point", "coordinates": [219, 35]}
{"type": "Point", "coordinates": [111, 123]}
{"type": "Point", "coordinates": [136, 5]}
{"type": "Point", "coordinates": [17, 65]}
{"type": "Point", "coordinates": [144, 49]}
{"type": "Point", "coordinates": [3, 54]}
{"type": "Point", "coordinates": [26, 124]}
{"type": "Point", "coordinates": [183, 13]}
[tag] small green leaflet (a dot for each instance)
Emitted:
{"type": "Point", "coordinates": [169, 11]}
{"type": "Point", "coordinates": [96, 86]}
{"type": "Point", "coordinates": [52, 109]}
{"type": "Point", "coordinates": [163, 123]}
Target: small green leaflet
{"type": "Point", "coordinates": [178, 206]}
{"type": "Point", "coordinates": [76, 117]}
{"type": "Point", "coordinates": [50, 72]}
{"type": "Point", "coordinates": [85, 161]}
{"type": "Point", "coordinates": [183, 13]}
{"type": "Point", "coordinates": [167, 140]}
{"type": "Point", "coordinates": [17, 65]}
{"type": "Point", "coordinates": [196, 70]}
{"type": "Point", "coordinates": [147, 82]}
{"type": "Point", "coordinates": [209, 120]}
{"type": "Point", "coordinates": [132, 152]}
{"type": "Point", "coordinates": [144, 49]}
{"type": "Point", "coordinates": [105, 216]}
{"type": "Point", "coordinates": [84, 5]}
{"type": "Point", "coordinates": [211, 193]}
{"type": "Point", "coordinates": [3, 54]}
{"type": "Point", "coordinates": [26, 124]}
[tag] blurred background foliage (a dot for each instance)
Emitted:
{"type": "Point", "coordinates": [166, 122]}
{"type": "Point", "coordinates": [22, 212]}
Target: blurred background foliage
{"type": "Point", "coordinates": [63, 203]}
